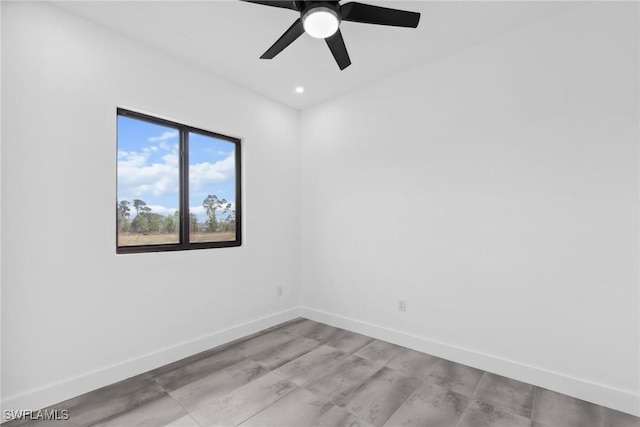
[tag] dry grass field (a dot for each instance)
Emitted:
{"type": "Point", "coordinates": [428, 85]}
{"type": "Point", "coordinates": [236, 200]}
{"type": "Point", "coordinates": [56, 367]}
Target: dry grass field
{"type": "Point", "coordinates": [213, 237]}
{"type": "Point", "coordinates": [134, 239]}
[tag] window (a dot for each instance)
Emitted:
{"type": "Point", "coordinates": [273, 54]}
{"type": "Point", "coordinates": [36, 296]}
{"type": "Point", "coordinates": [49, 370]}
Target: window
{"type": "Point", "coordinates": [178, 186]}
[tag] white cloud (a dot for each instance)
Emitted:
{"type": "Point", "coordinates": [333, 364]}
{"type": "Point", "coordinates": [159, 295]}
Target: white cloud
{"type": "Point", "coordinates": [165, 136]}
{"type": "Point", "coordinates": [137, 178]}
{"type": "Point", "coordinates": [162, 210]}
{"type": "Point", "coordinates": [166, 146]}
{"type": "Point", "coordinates": [204, 174]}
{"type": "Point", "coordinates": [132, 159]}
{"type": "Point", "coordinates": [198, 210]}
{"type": "Point", "coordinates": [171, 159]}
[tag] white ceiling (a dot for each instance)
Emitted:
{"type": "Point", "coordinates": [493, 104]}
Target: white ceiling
{"type": "Point", "coordinates": [228, 37]}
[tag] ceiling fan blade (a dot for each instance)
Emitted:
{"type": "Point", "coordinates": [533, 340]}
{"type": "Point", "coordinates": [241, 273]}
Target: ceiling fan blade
{"type": "Point", "coordinates": [368, 14]}
{"type": "Point", "coordinates": [285, 40]}
{"type": "Point", "coordinates": [285, 4]}
{"type": "Point", "coordinates": [339, 50]}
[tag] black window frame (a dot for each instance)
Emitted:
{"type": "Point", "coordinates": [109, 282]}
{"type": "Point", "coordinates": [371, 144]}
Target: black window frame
{"type": "Point", "coordinates": [184, 243]}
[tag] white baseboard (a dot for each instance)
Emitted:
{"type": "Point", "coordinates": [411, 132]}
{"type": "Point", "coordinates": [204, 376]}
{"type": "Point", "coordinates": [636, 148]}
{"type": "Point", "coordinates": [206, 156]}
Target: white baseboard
{"type": "Point", "coordinates": [61, 391]}
{"type": "Point", "coordinates": [621, 400]}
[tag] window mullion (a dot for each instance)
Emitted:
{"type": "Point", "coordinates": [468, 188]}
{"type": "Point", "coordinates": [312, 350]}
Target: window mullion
{"type": "Point", "coordinates": [184, 187]}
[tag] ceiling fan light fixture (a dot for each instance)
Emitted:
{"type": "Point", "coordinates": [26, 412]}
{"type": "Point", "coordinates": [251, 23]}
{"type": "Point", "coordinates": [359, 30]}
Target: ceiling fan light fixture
{"type": "Point", "coordinates": [320, 22]}
{"type": "Point", "coordinates": [321, 19]}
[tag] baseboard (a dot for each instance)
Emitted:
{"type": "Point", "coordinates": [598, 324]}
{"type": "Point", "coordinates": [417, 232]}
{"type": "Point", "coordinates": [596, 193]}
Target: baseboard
{"type": "Point", "coordinates": [61, 391]}
{"type": "Point", "coordinates": [621, 400]}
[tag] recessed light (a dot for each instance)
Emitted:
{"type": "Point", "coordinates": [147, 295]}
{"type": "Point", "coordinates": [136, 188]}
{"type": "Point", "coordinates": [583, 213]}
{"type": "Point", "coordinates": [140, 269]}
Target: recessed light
{"type": "Point", "coordinates": [299, 89]}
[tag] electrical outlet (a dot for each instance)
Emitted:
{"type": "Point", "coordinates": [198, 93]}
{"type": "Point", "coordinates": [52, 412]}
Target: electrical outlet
{"type": "Point", "coordinates": [402, 305]}
{"type": "Point", "coordinates": [279, 291]}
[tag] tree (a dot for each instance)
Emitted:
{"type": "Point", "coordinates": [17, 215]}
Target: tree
{"type": "Point", "coordinates": [231, 220]}
{"type": "Point", "coordinates": [169, 224]}
{"type": "Point", "coordinates": [193, 222]}
{"type": "Point", "coordinates": [147, 218]}
{"type": "Point", "coordinates": [142, 222]}
{"type": "Point", "coordinates": [139, 225]}
{"type": "Point", "coordinates": [155, 222]}
{"type": "Point", "coordinates": [211, 205]}
{"type": "Point", "coordinates": [229, 223]}
{"type": "Point", "coordinates": [137, 204]}
{"type": "Point", "coordinates": [123, 215]}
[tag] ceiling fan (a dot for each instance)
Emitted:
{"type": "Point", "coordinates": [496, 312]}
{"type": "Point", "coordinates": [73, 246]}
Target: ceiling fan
{"type": "Point", "coordinates": [321, 19]}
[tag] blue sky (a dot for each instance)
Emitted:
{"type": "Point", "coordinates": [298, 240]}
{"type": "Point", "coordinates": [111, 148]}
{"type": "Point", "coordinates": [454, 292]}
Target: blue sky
{"type": "Point", "coordinates": [148, 158]}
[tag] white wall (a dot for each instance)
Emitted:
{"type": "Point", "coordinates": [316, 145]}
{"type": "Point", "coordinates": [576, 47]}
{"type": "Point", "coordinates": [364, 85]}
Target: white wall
{"type": "Point", "coordinates": [496, 191]}
{"type": "Point", "coordinates": [75, 315]}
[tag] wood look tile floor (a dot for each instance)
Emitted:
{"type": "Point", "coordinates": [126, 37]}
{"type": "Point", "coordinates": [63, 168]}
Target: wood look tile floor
{"type": "Point", "coordinates": [304, 373]}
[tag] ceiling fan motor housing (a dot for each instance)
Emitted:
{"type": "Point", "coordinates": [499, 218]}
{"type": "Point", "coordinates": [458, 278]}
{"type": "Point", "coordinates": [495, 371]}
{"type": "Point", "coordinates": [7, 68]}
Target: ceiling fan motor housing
{"type": "Point", "coordinates": [321, 19]}
{"type": "Point", "coordinates": [306, 6]}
